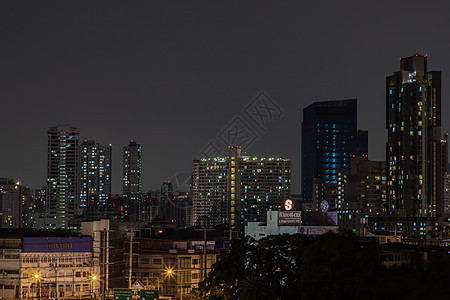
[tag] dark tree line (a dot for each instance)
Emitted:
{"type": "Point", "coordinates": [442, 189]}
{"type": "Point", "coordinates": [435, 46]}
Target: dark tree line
{"type": "Point", "coordinates": [332, 266]}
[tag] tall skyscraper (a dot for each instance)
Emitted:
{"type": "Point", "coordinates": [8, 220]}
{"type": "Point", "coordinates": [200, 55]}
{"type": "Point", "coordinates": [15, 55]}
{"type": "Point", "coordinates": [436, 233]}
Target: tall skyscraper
{"type": "Point", "coordinates": [413, 150]}
{"type": "Point", "coordinates": [95, 174]}
{"type": "Point", "coordinates": [132, 169]}
{"type": "Point", "coordinates": [238, 189]}
{"type": "Point", "coordinates": [62, 177]}
{"type": "Point", "coordinates": [329, 138]}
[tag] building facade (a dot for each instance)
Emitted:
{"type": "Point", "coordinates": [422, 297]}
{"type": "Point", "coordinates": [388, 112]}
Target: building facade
{"type": "Point", "coordinates": [95, 174]}
{"type": "Point", "coordinates": [132, 171]}
{"type": "Point", "coordinates": [329, 137]}
{"type": "Point", "coordinates": [173, 267]}
{"type": "Point", "coordinates": [46, 267]}
{"type": "Point", "coordinates": [16, 207]}
{"type": "Point", "coordinates": [446, 194]}
{"type": "Point", "coordinates": [286, 222]}
{"type": "Point", "coordinates": [238, 189]}
{"type": "Point", "coordinates": [413, 150]}
{"type": "Point", "coordinates": [365, 184]}
{"type": "Point", "coordinates": [62, 178]}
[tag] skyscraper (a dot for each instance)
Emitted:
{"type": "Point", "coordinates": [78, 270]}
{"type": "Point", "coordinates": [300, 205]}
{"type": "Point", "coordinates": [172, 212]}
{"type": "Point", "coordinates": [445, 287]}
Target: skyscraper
{"type": "Point", "coordinates": [132, 169]}
{"type": "Point", "coordinates": [95, 174]}
{"type": "Point", "coordinates": [62, 177]}
{"type": "Point", "coordinates": [413, 150]}
{"type": "Point", "coordinates": [329, 138]}
{"type": "Point", "coordinates": [238, 189]}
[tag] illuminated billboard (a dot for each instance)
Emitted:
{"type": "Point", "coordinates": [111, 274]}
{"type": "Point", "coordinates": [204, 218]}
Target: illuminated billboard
{"type": "Point", "coordinates": [289, 218]}
{"type": "Point", "coordinates": [57, 244]}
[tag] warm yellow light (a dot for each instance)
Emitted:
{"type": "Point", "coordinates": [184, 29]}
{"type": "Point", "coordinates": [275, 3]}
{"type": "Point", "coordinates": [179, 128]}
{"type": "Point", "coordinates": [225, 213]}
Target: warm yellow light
{"type": "Point", "coordinates": [169, 271]}
{"type": "Point", "coordinates": [94, 277]}
{"type": "Point", "coordinates": [36, 276]}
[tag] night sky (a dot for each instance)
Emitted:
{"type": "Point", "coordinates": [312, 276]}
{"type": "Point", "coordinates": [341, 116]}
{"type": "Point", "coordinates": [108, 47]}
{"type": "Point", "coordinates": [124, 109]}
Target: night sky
{"type": "Point", "coordinates": [172, 75]}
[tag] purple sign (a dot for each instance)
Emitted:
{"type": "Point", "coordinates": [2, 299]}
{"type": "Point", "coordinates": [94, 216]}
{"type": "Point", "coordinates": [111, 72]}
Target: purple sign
{"type": "Point", "coordinates": [57, 244]}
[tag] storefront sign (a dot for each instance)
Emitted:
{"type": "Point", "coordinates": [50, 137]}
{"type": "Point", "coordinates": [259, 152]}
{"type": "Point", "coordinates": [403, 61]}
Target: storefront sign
{"type": "Point", "coordinates": [289, 218]}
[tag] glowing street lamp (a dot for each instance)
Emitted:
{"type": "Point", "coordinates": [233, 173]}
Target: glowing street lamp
{"type": "Point", "coordinates": [37, 277]}
{"type": "Point", "coordinates": [93, 279]}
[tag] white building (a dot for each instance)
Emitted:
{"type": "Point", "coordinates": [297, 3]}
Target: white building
{"type": "Point", "coordinates": [280, 222]}
{"type": "Point", "coordinates": [99, 231]}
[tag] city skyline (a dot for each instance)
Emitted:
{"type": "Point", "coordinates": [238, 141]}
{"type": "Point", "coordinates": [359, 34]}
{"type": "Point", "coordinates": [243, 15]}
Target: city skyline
{"type": "Point", "coordinates": [172, 78]}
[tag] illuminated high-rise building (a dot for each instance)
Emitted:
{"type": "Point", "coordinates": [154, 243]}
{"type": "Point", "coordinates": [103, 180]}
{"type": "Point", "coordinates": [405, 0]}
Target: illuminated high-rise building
{"type": "Point", "coordinates": [95, 174]}
{"type": "Point", "coordinates": [132, 170]}
{"type": "Point", "coordinates": [329, 138]}
{"type": "Point", "coordinates": [414, 147]}
{"type": "Point", "coordinates": [238, 189]}
{"type": "Point", "coordinates": [62, 178]}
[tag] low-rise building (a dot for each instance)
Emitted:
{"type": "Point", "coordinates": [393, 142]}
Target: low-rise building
{"type": "Point", "coordinates": [173, 267]}
{"type": "Point", "coordinates": [290, 222]}
{"type": "Point", "coordinates": [42, 265]}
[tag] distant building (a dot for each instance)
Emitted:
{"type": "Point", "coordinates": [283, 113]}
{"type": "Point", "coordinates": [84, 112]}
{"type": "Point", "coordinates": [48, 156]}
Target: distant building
{"type": "Point", "coordinates": [175, 206]}
{"type": "Point", "coordinates": [166, 201]}
{"type": "Point", "coordinates": [445, 178]}
{"type": "Point", "coordinates": [329, 138]}
{"type": "Point", "coordinates": [132, 171]}
{"type": "Point", "coordinates": [62, 178]}
{"type": "Point", "coordinates": [95, 174]}
{"type": "Point", "coordinates": [324, 195]}
{"type": "Point", "coordinates": [16, 207]}
{"type": "Point", "coordinates": [39, 199]}
{"type": "Point", "coordinates": [446, 194]}
{"type": "Point", "coordinates": [365, 184]}
{"type": "Point", "coordinates": [414, 148]}
{"type": "Point", "coordinates": [238, 189]}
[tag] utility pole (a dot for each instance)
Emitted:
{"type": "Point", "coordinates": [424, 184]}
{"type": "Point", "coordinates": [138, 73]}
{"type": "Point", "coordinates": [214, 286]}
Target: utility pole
{"type": "Point", "coordinates": [204, 264]}
{"type": "Point", "coordinates": [205, 257]}
{"type": "Point", "coordinates": [130, 266]}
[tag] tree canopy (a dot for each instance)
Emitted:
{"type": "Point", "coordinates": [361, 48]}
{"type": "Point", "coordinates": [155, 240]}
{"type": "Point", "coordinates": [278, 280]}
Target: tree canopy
{"type": "Point", "coordinates": [331, 266]}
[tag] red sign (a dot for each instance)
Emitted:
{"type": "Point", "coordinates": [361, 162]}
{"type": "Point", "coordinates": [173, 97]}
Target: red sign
{"type": "Point", "coordinates": [288, 204]}
{"type": "Point", "coordinates": [289, 218]}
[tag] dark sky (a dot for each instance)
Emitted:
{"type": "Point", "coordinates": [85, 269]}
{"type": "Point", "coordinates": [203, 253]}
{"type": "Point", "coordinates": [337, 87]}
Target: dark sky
{"type": "Point", "coordinates": [173, 74]}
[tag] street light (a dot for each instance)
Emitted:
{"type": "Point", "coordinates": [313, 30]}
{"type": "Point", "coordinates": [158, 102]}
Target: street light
{"type": "Point", "coordinates": [37, 277]}
{"type": "Point", "coordinates": [170, 272]}
{"type": "Point", "coordinates": [93, 279]}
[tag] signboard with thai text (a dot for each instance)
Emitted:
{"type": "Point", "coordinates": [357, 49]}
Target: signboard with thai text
{"type": "Point", "coordinates": [317, 230]}
{"type": "Point", "coordinates": [57, 244]}
{"type": "Point", "coordinates": [289, 218]}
